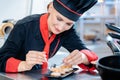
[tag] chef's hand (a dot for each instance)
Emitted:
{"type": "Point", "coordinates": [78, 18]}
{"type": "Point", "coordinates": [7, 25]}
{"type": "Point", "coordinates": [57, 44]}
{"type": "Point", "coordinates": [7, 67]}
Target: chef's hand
{"type": "Point", "coordinates": [76, 57]}
{"type": "Point", "coordinates": [32, 58]}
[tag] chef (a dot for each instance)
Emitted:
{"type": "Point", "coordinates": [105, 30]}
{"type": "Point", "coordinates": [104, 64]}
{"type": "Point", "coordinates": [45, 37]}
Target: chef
{"type": "Point", "coordinates": [36, 38]}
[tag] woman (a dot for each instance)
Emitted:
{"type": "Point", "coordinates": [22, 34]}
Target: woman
{"type": "Point", "coordinates": [36, 38]}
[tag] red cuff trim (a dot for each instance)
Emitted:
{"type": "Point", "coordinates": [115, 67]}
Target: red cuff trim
{"type": "Point", "coordinates": [12, 65]}
{"type": "Point", "coordinates": [87, 67]}
{"type": "Point", "coordinates": [90, 55]}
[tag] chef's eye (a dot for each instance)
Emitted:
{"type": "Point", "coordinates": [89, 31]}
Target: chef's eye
{"type": "Point", "coordinates": [59, 19]}
{"type": "Point", "coordinates": [69, 24]}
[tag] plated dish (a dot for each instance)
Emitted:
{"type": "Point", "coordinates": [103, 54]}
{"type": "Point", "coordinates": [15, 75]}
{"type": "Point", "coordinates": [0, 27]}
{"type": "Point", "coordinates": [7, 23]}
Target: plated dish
{"type": "Point", "coordinates": [61, 71]}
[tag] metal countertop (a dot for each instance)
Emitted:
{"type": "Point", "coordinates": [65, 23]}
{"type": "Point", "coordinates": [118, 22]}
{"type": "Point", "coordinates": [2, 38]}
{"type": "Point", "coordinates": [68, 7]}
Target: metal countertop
{"type": "Point", "coordinates": [36, 75]}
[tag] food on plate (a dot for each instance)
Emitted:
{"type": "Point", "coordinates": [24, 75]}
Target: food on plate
{"type": "Point", "coordinates": [55, 74]}
{"type": "Point", "coordinates": [60, 70]}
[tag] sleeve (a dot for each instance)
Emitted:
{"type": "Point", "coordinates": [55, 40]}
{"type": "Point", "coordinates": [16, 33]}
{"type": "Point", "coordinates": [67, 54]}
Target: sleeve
{"type": "Point", "coordinates": [72, 41]}
{"type": "Point", "coordinates": [14, 67]}
{"type": "Point", "coordinates": [10, 49]}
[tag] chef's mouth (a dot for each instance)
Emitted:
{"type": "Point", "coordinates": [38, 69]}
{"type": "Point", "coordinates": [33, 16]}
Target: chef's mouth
{"type": "Point", "coordinates": [57, 30]}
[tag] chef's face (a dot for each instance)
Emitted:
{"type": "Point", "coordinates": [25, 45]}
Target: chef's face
{"type": "Point", "coordinates": [57, 23]}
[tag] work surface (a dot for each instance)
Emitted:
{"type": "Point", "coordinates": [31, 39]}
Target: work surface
{"type": "Point", "coordinates": [36, 75]}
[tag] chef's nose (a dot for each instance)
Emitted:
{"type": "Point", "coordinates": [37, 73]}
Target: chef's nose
{"type": "Point", "coordinates": [61, 26]}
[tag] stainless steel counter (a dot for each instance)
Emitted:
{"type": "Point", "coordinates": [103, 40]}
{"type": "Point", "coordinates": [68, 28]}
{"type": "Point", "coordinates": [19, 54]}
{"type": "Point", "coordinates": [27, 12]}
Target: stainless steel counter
{"type": "Point", "coordinates": [36, 75]}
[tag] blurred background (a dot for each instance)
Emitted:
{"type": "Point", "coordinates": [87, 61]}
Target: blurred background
{"type": "Point", "coordinates": [90, 27]}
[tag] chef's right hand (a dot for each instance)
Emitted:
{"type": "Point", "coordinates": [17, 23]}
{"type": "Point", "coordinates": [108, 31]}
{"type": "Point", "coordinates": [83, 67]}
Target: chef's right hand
{"type": "Point", "coordinates": [32, 58]}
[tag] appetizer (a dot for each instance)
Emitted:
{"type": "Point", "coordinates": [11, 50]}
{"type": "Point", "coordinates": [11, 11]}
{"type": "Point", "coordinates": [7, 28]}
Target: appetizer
{"type": "Point", "coordinates": [60, 70]}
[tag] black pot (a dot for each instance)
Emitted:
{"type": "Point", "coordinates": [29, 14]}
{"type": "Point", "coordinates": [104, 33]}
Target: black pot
{"type": "Point", "coordinates": [109, 67]}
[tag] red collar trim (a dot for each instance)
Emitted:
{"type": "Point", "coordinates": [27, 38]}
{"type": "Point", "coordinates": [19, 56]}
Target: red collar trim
{"type": "Point", "coordinates": [45, 34]}
{"type": "Point", "coordinates": [44, 29]}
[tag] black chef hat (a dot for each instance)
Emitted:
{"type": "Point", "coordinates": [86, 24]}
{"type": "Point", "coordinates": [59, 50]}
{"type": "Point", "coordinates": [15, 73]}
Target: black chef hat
{"type": "Point", "coordinates": [73, 9]}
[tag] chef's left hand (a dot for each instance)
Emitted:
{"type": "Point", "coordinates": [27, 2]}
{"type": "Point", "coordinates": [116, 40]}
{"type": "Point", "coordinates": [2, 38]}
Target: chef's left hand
{"type": "Point", "coordinates": [76, 57]}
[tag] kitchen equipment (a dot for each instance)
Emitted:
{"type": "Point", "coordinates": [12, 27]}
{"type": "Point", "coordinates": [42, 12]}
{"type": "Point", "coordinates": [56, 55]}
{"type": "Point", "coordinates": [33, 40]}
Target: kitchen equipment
{"type": "Point", "coordinates": [118, 42]}
{"type": "Point", "coordinates": [6, 27]}
{"type": "Point", "coordinates": [114, 35]}
{"type": "Point", "coordinates": [115, 49]}
{"type": "Point", "coordinates": [112, 27]}
{"type": "Point", "coordinates": [109, 66]}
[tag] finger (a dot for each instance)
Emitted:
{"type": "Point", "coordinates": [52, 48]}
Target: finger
{"type": "Point", "coordinates": [36, 54]}
{"type": "Point", "coordinates": [37, 59]}
{"type": "Point", "coordinates": [43, 56]}
{"type": "Point", "coordinates": [72, 54]}
{"type": "Point", "coordinates": [75, 59]}
{"type": "Point", "coordinates": [93, 62]}
{"type": "Point", "coordinates": [34, 61]}
{"type": "Point", "coordinates": [75, 62]}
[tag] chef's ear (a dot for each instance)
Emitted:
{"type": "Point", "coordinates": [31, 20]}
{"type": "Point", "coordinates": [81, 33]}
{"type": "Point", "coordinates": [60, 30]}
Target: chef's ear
{"type": "Point", "coordinates": [50, 7]}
